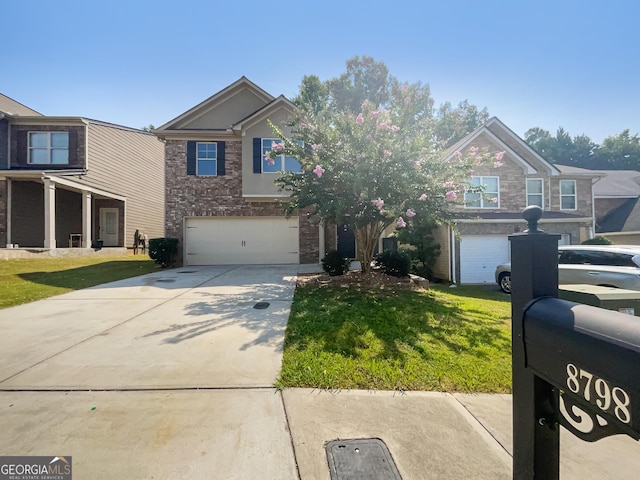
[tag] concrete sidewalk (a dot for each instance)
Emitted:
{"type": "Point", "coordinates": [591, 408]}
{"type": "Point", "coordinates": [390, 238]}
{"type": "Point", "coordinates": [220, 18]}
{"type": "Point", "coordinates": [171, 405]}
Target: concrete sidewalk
{"type": "Point", "coordinates": [170, 375]}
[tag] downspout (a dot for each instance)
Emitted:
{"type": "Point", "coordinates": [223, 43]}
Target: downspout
{"type": "Point", "coordinates": [453, 257]}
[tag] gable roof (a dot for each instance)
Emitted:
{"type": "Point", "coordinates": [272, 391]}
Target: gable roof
{"type": "Point", "coordinates": [258, 114]}
{"type": "Point", "coordinates": [618, 183]}
{"type": "Point", "coordinates": [12, 108]}
{"type": "Point", "coordinates": [242, 84]}
{"type": "Point", "coordinates": [503, 142]}
{"type": "Point", "coordinates": [625, 218]}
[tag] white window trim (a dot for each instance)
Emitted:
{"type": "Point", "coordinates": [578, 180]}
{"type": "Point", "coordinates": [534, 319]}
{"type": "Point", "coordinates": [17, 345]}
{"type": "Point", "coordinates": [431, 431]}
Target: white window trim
{"type": "Point", "coordinates": [489, 205]}
{"type": "Point", "coordinates": [49, 148]}
{"type": "Point", "coordinates": [541, 180]}
{"type": "Point", "coordinates": [574, 195]}
{"type": "Point", "coordinates": [198, 160]}
{"type": "Point", "coordinates": [282, 157]}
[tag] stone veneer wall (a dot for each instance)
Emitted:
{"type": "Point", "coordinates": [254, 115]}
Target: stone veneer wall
{"type": "Point", "coordinates": [220, 196]}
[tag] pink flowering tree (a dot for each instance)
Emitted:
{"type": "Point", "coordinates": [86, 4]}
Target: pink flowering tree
{"type": "Point", "coordinates": [374, 167]}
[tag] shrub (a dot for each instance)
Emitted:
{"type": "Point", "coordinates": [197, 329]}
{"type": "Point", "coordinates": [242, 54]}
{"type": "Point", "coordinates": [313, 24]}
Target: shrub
{"type": "Point", "coordinates": [334, 263]}
{"type": "Point", "coordinates": [394, 262]}
{"type": "Point", "coordinates": [163, 250]}
{"type": "Point", "coordinates": [598, 241]}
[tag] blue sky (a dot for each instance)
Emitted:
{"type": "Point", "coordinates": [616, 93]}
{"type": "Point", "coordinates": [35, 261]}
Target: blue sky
{"type": "Point", "coordinates": [539, 63]}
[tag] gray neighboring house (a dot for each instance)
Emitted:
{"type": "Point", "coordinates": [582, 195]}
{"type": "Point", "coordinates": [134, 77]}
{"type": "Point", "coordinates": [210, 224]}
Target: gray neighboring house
{"type": "Point", "coordinates": [617, 203]}
{"type": "Point", "coordinates": [76, 182]}
{"type": "Point", "coordinates": [485, 222]}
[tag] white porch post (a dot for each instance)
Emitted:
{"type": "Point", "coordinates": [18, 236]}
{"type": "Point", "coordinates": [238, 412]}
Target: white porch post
{"type": "Point", "coordinates": [49, 214]}
{"type": "Point", "coordinates": [86, 219]}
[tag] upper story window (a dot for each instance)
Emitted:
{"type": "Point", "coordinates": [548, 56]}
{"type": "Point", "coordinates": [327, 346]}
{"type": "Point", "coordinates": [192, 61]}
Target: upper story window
{"type": "Point", "coordinates": [535, 192]}
{"type": "Point", "coordinates": [281, 163]}
{"type": "Point", "coordinates": [206, 159]}
{"type": "Point", "coordinates": [488, 198]}
{"type": "Point", "coordinates": [568, 195]}
{"type": "Point", "coordinates": [50, 148]}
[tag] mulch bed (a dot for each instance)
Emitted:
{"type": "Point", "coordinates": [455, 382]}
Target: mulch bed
{"type": "Point", "coordinates": [359, 280]}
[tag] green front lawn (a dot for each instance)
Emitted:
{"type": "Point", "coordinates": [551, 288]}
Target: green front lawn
{"type": "Point", "coordinates": [24, 280]}
{"type": "Point", "coordinates": [444, 339]}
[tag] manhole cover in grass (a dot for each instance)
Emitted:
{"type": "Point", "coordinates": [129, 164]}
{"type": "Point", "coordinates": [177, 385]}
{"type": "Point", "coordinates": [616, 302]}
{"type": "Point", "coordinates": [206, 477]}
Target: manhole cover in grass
{"type": "Point", "coordinates": [261, 305]}
{"type": "Point", "coordinates": [361, 458]}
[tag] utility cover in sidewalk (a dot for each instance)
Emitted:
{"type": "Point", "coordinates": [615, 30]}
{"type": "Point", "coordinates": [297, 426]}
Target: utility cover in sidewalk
{"type": "Point", "coordinates": [261, 305]}
{"type": "Point", "coordinates": [361, 458]}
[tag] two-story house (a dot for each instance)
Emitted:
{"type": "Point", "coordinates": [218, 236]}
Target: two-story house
{"type": "Point", "coordinates": [76, 182]}
{"type": "Point", "coordinates": [522, 178]}
{"type": "Point", "coordinates": [221, 201]}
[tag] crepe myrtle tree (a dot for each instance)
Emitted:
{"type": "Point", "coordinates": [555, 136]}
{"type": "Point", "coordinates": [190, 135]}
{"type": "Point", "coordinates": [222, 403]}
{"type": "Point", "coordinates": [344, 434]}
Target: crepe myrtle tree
{"type": "Point", "coordinates": [372, 169]}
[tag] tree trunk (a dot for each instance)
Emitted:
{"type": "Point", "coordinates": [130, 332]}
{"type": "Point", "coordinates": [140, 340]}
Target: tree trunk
{"type": "Point", "coordinates": [366, 239]}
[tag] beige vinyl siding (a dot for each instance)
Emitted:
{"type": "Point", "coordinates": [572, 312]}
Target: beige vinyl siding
{"type": "Point", "coordinates": [130, 164]}
{"type": "Point", "coordinates": [441, 265]}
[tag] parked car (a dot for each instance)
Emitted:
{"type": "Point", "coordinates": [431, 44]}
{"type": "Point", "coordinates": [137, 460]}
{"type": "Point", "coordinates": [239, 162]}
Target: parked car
{"type": "Point", "coordinates": [605, 265]}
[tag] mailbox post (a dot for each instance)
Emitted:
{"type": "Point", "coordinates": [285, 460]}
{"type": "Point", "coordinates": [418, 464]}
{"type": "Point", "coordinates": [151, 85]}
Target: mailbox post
{"type": "Point", "coordinates": [564, 354]}
{"type": "Point", "coordinates": [534, 274]}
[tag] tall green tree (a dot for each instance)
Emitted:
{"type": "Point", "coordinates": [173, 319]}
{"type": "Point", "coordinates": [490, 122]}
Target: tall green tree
{"type": "Point", "coordinates": [619, 152]}
{"type": "Point", "coordinates": [562, 148]}
{"type": "Point", "coordinates": [453, 124]}
{"type": "Point", "coordinates": [370, 163]}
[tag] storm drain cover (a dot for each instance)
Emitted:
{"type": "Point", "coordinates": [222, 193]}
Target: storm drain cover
{"type": "Point", "coordinates": [165, 280]}
{"type": "Point", "coordinates": [188, 271]}
{"type": "Point", "coordinates": [364, 458]}
{"type": "Point", "coordinates": [261, 305]}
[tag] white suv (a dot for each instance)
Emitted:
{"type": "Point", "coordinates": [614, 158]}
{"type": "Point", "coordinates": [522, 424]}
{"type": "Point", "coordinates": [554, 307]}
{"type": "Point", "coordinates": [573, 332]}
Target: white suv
{"type": "Point", "coordinates": [605, 265]}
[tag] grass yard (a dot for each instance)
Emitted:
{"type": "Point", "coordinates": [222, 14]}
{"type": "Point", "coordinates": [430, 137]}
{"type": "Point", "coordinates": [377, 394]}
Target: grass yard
{"type": "Point", "coordinates": [345, 337]}
{"type": "Point", "coordinates": [28, 279]}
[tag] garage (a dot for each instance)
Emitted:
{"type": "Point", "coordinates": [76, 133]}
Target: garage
{"type": "Point", "coordinates": [241, 240]}
{"type": "Point", "coordinates": [479, 256]}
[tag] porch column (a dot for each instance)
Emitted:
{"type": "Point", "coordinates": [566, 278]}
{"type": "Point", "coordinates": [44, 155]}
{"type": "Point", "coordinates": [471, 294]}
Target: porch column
{"type": "Point", "coordinates": [9, 219]}
{"type": "Point", "coordinates": [86, 219]}
{"type": "Point", "coordinates": [49, 214]}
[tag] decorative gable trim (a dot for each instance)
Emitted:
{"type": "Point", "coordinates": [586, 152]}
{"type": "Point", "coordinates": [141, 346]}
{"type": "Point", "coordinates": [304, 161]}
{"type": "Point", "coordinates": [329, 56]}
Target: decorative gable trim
{"type": "Point", "coordinates": [464, 143]}
{"type": "Point", "coordinates": [553, 171]}
{"type": "Point", "coordinates": [207, 105]}
{"type": "Point", "coordinates": [259, 115]}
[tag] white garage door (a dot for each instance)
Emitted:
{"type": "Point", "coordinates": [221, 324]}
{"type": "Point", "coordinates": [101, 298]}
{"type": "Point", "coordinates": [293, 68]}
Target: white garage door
{"type": "Point", "coordinates": [241, 240]}
{"type": "Point", "coordinates": [479, 256]}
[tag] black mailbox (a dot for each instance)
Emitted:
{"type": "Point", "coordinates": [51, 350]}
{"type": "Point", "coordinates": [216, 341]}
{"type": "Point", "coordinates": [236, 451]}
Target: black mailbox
{"type": "Point", "coordinates": [592, 355]}
{"type": "Point", "coordinates": [572, 364]}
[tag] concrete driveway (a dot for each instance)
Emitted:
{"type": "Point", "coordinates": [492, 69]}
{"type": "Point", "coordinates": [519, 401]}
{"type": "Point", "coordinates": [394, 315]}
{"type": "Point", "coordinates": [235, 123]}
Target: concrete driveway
{"type": "Point", "coordinates": [168, 375]}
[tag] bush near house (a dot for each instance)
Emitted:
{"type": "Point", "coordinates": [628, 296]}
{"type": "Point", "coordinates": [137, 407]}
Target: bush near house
{"type": "Point", "coordinates": [598, 241]}
{"type": "Point", "coordinates": [163, 251]}
{"type": "Point", "coordinates": [394, 262]}
{"type": "Point", "coordinates": [334, 263]}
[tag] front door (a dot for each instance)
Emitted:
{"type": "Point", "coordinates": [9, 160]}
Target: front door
{"type": "Point", "coordinates": [346, 243]}
{"type": "Point", "coordinates": [109, 227]}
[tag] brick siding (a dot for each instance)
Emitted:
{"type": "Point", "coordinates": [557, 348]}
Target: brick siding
{"type": "Point", "coordinates": [221, 196]}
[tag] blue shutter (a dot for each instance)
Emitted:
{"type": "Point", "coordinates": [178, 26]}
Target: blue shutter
{"type": "Point", "coordinates": [191, 157]}
{"type": "Point", "coordinates": [221, 168]}
{"type": "Point", "coordinates": [22, 148]}
{"type": "Point", "coordinates": [257, 155]}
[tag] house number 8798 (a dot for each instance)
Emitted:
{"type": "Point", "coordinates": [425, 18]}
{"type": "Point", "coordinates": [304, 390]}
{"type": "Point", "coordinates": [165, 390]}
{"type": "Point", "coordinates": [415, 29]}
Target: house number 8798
{"type": "Point", "coordinates": [612, 400]}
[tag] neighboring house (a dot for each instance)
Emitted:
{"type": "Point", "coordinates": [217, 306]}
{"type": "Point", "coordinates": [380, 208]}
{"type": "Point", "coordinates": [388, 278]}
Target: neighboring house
{"type": "Point", "coordinates": [617, 204]}
{"type": "Point", "coordinates": [221, 201]}
{"type": "Point", "coordinates": [73, 181]}
{"type": "Point", "coordinates": [485, 221]}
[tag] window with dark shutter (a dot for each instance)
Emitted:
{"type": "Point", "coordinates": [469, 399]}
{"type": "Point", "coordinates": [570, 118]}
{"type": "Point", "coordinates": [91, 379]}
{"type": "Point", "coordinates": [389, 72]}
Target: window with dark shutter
{"type": "Point", "coordinates": [221, 158]}
{"type": "Point", "coordinates": [191, 157]}
{"type": "Point", "coordinates": [257, 155]}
